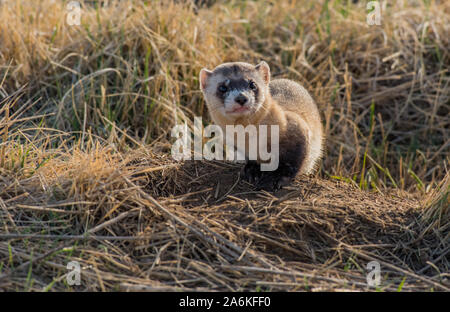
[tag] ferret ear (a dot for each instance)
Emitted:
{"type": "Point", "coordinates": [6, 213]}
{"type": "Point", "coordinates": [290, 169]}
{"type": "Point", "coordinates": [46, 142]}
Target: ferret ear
{"type": "Point", "coordinates": [204, 77]}
{"type": "Point", "coordinates": [264, 70]}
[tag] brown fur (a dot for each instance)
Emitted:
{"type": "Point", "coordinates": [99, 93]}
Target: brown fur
{"type": "Point", "coordinates": [286, 104]}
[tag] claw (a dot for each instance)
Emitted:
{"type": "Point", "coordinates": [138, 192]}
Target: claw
{"type": "Point", "coordinates": [272, 182]}
{"type": "Point", "coordinates": [252, 172]}
{"type": "Point", "coordinates": [266, 180]}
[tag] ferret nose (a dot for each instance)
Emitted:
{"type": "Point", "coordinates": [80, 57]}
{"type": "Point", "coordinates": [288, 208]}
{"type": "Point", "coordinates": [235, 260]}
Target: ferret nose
{"type": "Point", "coordinates": [241, 99]}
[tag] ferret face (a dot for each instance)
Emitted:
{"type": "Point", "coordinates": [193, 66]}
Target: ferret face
{"type": "Point", "coordinates": [236, 89]}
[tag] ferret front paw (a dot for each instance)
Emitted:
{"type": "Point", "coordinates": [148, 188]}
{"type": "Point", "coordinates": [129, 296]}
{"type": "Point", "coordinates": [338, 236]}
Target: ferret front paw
{"type": "Point", "coordinates": [252, 172]}
{"type": "Point", "coordinates": [272, 181]}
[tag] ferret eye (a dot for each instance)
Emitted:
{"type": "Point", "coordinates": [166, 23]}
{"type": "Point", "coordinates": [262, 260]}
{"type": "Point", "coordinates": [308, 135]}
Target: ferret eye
{"type": "Point", "coordinates": [252, 85]}
{"type": "Point", "coordinates": [223, 88]}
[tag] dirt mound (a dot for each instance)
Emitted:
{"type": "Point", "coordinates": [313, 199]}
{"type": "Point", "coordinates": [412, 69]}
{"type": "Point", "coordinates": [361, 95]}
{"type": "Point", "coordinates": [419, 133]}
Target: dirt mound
{"type": "Point", "coordinates": [197, 226]}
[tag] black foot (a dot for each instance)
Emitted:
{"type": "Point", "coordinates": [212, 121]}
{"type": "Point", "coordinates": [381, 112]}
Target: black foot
{"type": "Point", "coordinates": [269, 180]}
{"type": "Point", "coordinates": [252, 172]}
{"type": "Point", "coordinates": [275, 180]}
{"type": "Point", "coordinates": [272, 181]}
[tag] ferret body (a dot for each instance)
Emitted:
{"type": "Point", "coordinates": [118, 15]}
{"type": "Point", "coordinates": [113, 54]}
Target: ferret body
{"type": "Point", "coordinates": [243, 94]}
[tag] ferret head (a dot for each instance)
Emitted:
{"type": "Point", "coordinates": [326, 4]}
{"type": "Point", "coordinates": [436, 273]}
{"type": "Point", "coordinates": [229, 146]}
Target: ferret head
{"type": "Point", "coordinates": [234, 90]}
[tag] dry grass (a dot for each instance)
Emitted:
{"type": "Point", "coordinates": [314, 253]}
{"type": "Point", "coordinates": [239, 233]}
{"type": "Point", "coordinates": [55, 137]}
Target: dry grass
{"type": "Point", "coordinates": [86, 173]}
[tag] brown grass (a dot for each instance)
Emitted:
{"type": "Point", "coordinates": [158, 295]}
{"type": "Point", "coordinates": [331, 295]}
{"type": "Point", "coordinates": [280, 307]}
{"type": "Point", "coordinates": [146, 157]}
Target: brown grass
{"type": "Point", "coordinates": [86, 173]}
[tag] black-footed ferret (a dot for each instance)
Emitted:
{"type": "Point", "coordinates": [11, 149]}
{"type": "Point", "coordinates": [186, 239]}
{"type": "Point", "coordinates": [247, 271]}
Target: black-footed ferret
{"type": "Point", "coordinates": [242, 94]}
